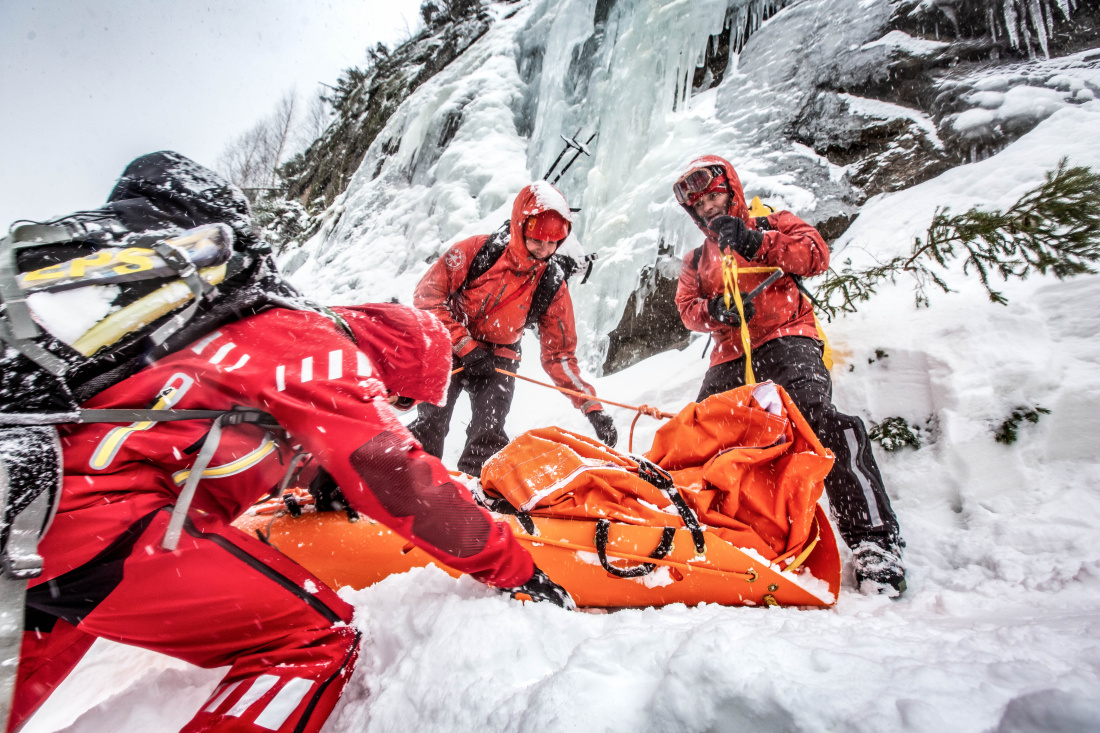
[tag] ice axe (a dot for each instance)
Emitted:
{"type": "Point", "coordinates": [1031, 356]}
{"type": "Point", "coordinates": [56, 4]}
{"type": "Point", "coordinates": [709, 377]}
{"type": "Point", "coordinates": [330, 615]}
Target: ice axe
{"type": "Point", "coordinates": [750, 297]}
{"type": "Point", "coordinates": [574, 144]}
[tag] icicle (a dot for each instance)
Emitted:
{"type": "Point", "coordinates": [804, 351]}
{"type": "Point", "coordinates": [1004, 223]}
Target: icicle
{"type": "Point", "coordinates": [1036, 13]}
{"type": "Point", "coordinates": [1011, 23]}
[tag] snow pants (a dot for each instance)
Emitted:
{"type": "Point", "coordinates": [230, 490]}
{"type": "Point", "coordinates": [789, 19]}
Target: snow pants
{"type": "Point", "coordinates": [223, 598]}
{"type": "Point", "coordinates": [491, 400]}
{"type": "Point", "coordinates": [854, 486]}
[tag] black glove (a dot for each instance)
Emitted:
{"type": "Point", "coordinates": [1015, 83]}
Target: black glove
{"type": "Point", "coordinates": [719, 312]}
{"type": "Point", "coordinates": [605, 427]}
{"type": "Point", "coordinates": [478, 364]}
{"type": "Point", "coordinates": [541, 588]}
{"type": "Point", "coordinates": [734, 234]}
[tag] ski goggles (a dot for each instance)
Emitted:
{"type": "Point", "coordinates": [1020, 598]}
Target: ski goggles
{"type": "Point", "coordinates": [695, 183]}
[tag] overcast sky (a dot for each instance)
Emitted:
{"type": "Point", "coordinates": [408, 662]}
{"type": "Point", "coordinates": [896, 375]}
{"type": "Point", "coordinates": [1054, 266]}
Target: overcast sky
{"type": "Point", "coordinates": [88, 85]}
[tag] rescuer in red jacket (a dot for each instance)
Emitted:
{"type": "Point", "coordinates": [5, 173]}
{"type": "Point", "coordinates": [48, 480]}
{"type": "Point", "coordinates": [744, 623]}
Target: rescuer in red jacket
{"type": "Point", "coordinates": [785, 347]}
{"type": "Point", "coordinates": [486, 316]}
{"type": "Point", "coordinates": [223, 598]}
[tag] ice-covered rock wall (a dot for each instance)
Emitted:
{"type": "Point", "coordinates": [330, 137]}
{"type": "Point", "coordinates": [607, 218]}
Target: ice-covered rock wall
{"type": "Point", "coordinates": [818, 104]}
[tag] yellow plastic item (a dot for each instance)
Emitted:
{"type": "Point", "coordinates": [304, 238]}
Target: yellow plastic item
{"type": "Point", "coordinates": [759, 208]}
{"type": "Point", "coordinates": [142, 312]}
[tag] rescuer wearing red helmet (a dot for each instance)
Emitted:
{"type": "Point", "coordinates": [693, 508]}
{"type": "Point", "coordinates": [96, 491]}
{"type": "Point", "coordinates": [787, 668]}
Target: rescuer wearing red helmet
{"type": "Point", "coordinates": [785, 347]}
{"type": "Point", "coordinates": [486, 290]}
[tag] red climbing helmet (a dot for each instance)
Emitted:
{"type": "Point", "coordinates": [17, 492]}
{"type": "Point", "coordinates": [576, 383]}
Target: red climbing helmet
{"type": "Point", "coordinates": [548, 226]}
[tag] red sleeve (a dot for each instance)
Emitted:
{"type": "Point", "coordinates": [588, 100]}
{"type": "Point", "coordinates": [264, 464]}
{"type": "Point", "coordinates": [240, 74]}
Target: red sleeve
{"type": "Point", "coordinates": [558, 339]}
{"type": "Point", "coordinates": [691, 301]}
{"type": "Point", "coordinates": [441, 281]}
{"type": "Point", "coordinates": [336, 410]}
{"type": "Point", "coordinates": [794, 246]}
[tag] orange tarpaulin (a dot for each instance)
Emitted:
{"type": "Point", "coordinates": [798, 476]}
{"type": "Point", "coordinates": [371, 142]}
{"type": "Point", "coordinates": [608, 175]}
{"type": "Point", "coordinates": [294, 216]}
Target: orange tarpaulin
{"type": "Point", "coordinates": [745, 461]}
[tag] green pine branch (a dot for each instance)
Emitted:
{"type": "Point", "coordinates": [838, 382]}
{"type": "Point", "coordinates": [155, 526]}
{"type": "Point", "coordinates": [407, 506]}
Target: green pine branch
{"type": "Point", "coordinates": [1053, 228]}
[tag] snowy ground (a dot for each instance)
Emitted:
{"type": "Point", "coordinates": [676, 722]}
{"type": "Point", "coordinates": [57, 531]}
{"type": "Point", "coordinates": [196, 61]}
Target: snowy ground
{"type": "Point", "coordinates": [997, 632]}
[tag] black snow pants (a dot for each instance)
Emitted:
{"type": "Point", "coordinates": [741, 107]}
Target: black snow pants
{"type": "Point", "coordinates": [490, 398]}
{"type": "Point", "coordinates": [854, 486]}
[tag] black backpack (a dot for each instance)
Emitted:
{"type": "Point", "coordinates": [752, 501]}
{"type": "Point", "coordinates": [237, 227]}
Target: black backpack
{"type": "Point", "coordinates": [169, 222]}
{"type": "Point", "coordinates": [556, 274]}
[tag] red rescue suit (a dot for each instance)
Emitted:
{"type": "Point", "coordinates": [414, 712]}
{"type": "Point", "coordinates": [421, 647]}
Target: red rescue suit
{"type": "Point", "coordinates": [781, 310]}
{"type": "Point", "coordinates": [491, 311]}
{"type": "Point", "coordinates": [224, 598]}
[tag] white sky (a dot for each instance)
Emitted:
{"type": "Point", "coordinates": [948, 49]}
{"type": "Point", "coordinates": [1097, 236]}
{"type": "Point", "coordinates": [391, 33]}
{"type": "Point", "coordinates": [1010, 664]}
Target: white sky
{"type": "Point", "coordinates": [88, 85]}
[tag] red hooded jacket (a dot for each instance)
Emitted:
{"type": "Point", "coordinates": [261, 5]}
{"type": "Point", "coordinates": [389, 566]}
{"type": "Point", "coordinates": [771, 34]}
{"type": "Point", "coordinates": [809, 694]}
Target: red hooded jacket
{"type": "Point", "coordinates": [781, 310]}
{"type": "Point", "coordinates": [329, 395]}
{"type": "Point", "coordinates": [489, 313]}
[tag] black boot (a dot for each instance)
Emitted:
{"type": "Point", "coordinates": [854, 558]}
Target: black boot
{"type": "Point", "coordinates": [878, 566]}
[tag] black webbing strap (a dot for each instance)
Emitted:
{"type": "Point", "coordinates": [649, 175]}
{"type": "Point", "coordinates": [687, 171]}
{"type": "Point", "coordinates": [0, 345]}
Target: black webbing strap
{"type": "Point", "coordinates": [30, 349]}
{"type": "Point", "coordinates": [233, 417]}
{"type": "Point", "coordinates": [501, 506]}
{"type": "Point", "coordinates": [662, 479]}
{"type": "Point", "coordinates": [179, 261]}
{"type": "Point", "coordinates": [17, 327]}
{"type": "Point", "coordinates": [603, 529]}
{"type": "Point", "coordinates": [487, 256]}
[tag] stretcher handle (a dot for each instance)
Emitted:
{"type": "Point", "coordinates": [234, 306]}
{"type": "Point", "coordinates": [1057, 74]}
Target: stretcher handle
{"type": "Point", "coordinates": [603, 529]}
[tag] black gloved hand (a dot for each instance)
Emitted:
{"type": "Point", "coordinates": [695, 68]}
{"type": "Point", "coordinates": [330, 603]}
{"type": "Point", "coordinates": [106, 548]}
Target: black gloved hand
{"type": "Point", "coordinates": [717, 309]}
{"type": "Point", "coordinates": [541, 588]}
{"type": "Point", "coordinates": [478, 364]}
{"type": "Point", "coordinates": [605, 427]}
{"type": "Point", "coordinates": [734, 234]}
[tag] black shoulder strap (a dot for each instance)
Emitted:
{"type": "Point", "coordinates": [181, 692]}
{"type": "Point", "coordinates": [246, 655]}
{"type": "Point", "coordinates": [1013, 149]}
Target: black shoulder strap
{"type": "Point", "coordinates": [552, 280]}
{"type": "Point", "coordinates": [487, 256]}
{"type": "Point", "coordinates": [695, 257]}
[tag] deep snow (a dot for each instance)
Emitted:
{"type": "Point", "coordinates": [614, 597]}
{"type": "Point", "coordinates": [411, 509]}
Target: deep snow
{"type": "Point", "coordinates": [997, 632]}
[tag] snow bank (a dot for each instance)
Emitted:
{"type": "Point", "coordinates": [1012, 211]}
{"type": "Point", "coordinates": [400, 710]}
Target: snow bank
{"type": "Point", "coordinates": [997, 630]}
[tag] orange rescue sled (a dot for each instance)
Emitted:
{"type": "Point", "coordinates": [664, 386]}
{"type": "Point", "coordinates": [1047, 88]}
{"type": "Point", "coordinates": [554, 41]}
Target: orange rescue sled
{"type": "Point", "coordinates": [745, 463]}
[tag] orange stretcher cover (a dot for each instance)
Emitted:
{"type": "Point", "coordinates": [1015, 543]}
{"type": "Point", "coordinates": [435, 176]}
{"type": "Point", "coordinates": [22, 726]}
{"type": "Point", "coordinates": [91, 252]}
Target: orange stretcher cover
{"type": "Point", "coordinates": [745, 461]}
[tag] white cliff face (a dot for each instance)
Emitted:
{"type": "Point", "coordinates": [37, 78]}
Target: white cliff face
{"type": "Point", "coordinates": [453, 156]}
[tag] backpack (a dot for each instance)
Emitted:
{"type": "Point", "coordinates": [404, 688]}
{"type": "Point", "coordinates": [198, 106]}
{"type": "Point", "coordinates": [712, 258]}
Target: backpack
{"type": "Point", "coordinates": [176, 241]}
{"type": "Point", "coordinates": [556, 274]}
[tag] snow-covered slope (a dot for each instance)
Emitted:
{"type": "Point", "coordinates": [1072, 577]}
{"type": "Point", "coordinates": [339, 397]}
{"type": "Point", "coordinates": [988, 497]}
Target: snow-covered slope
{"type": "Point", "coordinates": [997, 632]}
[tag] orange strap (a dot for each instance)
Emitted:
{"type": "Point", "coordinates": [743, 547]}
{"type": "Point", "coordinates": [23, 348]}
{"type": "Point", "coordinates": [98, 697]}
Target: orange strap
{"type": "Point", "coordinates": [653, 412]}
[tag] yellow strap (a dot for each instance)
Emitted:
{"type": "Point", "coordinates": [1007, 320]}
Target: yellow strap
{"type": "Point", "coordinates": [730, 284]}
{"type": "Point", "coordinates": [827, 354]}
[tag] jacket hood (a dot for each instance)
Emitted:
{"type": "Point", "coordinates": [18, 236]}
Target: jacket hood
{"type": "Point", "coordinates": [409, 349]}
{"type": "Point", "coordinates": [737, 207]}
{"type": "Point", "coordinates": [533, 199]}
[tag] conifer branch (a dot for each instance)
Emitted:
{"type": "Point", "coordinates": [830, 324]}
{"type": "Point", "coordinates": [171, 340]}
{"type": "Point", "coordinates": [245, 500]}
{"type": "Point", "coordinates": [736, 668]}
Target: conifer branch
{"type": "Point", "coordinates": [1053, 228]}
